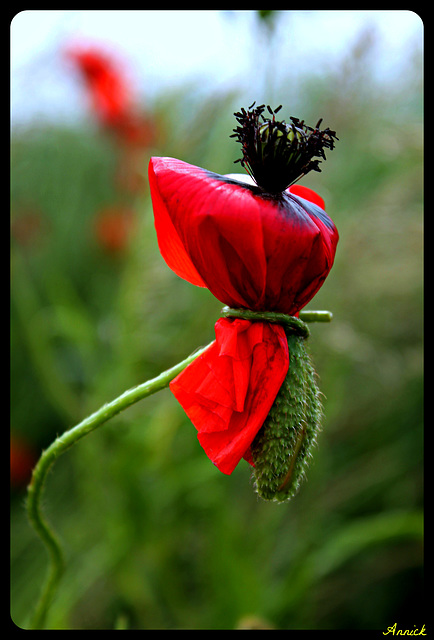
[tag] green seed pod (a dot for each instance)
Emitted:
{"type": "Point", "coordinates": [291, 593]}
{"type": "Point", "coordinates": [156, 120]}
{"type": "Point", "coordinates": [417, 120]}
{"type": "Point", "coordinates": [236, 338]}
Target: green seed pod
{"type": "Point", "coordinates": [274, 135]}
{"type": "Point", "coordinates": [283, 447]}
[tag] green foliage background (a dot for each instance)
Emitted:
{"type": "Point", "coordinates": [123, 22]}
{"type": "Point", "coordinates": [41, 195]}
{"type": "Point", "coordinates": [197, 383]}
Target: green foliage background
{"type": "Point", "coordinates": [155, 536]}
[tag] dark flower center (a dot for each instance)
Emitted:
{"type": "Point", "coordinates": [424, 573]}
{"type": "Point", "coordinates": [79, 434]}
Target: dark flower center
{"type": "Point", "coordinates": [277, 154]}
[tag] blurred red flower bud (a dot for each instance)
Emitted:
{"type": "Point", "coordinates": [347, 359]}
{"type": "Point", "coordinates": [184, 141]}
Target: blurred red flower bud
{"type": "Point", "coordinates": [109, 91]}
{"type": "Point", "coordinates": [113, 228]}
{"type": "Point", "coordinates": [22, 460]}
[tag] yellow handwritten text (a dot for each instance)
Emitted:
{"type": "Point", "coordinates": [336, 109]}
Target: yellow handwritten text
{"type": "Point", "coordinates": [405, 632]}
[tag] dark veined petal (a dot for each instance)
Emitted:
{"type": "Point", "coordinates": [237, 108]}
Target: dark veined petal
{"type": "Point", "coordinates": [169, 241]}
{"type": "Point", "coordinates": [204, 219]}
{"type": "Point", "coordinates": [248, 248]}
{"type": "Point", "coordinates": [308, 194]}
{"type": "Point", "coordinates": [228, 391]}
{"type": "Point", "coordinates": [301, 257]}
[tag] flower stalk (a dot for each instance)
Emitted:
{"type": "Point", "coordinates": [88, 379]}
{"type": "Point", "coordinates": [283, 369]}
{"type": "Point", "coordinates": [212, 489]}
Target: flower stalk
{"type": "Point", "coordinates": [50, 455]}
{"type": "Point", "coordinates": [91, 423]}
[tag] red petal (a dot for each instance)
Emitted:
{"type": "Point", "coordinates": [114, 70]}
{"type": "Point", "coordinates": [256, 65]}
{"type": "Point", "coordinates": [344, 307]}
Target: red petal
{"type": "Point", "coordinates": [169, 242]}
{"type": "Point", "coordinates": [228, 391]}
{"type": "Point", "coordinates": [251, 250]}
{"type": "Point", "coordinates": [307, 194]}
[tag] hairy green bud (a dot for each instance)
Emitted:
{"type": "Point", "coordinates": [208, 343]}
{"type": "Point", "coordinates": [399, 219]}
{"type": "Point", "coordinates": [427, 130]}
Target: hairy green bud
{"type": "Point", "coordinates": [283, 447]}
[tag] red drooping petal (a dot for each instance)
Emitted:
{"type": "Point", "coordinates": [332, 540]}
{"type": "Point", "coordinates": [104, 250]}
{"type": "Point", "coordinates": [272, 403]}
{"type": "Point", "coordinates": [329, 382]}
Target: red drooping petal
{"type": "Point", "coordinates": [222, 236]}
{"type": "Point", "coordinates": [249, 249]}
{"type": "Point", "coordinates": [228, 391]}
{"type": "Point", "coordinates": [205, 232]}
{"type": "Point", "coordinates": [169, 241]}
{"type": "Point", "coordinates": [308, 194]}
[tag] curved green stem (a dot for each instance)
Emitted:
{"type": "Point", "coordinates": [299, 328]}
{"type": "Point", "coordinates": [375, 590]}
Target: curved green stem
{"type": "Point", "coordinates": [315, 316]}
{"type": "Point", "coordinates": [48, 457]}
{"type": "Point", "coordinates": [95, 420]}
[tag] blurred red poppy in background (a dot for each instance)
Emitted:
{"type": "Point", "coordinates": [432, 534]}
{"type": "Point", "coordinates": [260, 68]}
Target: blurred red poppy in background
{"type": "Point", "coordinates": [22, 461]}
{"type": "Point", "coordinates": [114, 226]}
{"type": "Point", "coordinates": [29, 227]}
{"type": "Point", "coordinates": [109, 91]}
{"type": "Point", "coordinates": [112, 97]}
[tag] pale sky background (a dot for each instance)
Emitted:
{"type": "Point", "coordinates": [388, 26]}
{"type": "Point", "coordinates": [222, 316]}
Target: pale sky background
{"type": "Point", "coordinates": [165, 49]}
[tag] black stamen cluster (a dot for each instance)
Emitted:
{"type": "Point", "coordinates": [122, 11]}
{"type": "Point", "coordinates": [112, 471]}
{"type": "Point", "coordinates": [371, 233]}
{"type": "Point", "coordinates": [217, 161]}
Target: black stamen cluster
{"type": "Point", "coordinates": [277, 154]}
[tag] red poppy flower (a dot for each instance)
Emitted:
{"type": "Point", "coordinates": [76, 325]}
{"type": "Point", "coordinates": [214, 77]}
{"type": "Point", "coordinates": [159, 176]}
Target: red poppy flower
{"type": "Point", "coordinates": [263, 249]}
{"type": "Point", "coordinates": [109, 91]}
